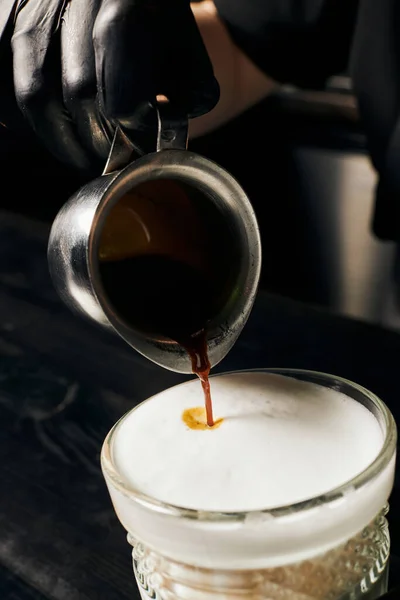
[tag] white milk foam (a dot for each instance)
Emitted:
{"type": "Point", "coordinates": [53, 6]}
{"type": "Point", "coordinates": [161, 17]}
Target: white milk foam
{"type": "Point", "coordinates": [281, 441]}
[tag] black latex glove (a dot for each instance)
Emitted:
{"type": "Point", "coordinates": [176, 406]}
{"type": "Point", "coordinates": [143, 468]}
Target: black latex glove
{"type": "Point", "coordinates": [78, 68]}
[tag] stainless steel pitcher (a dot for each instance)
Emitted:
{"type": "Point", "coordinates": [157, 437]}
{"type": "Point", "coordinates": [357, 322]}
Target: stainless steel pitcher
{"type": "Point", "coordinates": [73, 250]}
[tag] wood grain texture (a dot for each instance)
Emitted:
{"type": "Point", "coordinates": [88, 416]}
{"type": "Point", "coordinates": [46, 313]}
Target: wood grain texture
{"type": "Point", "coordinates": [64, 382]}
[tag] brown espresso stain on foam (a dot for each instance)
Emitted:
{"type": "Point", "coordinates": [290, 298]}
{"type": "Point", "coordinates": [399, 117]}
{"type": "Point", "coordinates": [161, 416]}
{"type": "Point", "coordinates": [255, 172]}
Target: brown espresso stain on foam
{"type": "Point", "coordinates": [196, 419]}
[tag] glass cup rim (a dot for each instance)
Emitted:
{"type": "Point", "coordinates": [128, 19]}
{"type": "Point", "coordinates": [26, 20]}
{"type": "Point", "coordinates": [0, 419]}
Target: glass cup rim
{"type": "Point", "coordinates": [358, 481]}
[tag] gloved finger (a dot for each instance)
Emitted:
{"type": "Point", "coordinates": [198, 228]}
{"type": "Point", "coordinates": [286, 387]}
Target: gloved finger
{"type": "Point", "coordinates": [191, 75]}
{"type": "Point", "coordinates": [79, 77]}
{"type": "Point", "coordinates": [144, 49]}
{"type": "Point", "coordinates": [37, 79]}
{"type": "Point", "coordinates": [10, 115]}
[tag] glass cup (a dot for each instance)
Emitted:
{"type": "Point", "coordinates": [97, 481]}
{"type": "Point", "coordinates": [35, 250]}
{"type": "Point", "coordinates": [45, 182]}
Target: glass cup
{"type": "Point", "coordinates": [330, 547]}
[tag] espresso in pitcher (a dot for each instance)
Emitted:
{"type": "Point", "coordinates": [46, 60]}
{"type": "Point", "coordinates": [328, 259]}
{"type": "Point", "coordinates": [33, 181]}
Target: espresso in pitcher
{"type": "Point", "coordinates": [166, 257]}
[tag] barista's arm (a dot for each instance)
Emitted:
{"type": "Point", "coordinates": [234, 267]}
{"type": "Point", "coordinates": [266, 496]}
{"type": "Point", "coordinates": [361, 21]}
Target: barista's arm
{"type": "Point", "coordinates": [242, 84]}
{"type": "Point", "coordinates": [255, 44]}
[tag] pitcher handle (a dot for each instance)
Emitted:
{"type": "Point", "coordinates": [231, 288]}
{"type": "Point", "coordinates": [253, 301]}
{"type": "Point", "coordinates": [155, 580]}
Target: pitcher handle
{"type": "Point", "coordinates": [172, 127]}
{"type": "Point", "coordinates": [121, 152]}
{"type": "Point", "coordinates": [172, 134]}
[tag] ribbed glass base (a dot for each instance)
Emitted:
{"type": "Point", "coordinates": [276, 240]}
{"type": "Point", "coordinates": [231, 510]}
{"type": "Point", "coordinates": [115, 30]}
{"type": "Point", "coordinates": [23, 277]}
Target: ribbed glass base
{"type": "Point", "coordinates": [354, 570]}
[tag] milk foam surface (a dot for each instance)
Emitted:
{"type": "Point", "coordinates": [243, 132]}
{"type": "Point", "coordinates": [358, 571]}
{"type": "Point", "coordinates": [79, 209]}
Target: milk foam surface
{"type": "Point", "coordinates": [281, 441]}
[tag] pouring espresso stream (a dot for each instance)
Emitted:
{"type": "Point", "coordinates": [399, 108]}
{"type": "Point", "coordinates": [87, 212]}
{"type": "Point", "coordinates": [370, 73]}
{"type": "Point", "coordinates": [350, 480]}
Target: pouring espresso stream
{"type": "Point", "coordinates": [166, 267]}
{"type": "Point", "coordinates": [164, 251]}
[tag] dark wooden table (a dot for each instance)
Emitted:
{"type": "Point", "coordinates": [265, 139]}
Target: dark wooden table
{"type": "Point", "coordinates": [63, 383]}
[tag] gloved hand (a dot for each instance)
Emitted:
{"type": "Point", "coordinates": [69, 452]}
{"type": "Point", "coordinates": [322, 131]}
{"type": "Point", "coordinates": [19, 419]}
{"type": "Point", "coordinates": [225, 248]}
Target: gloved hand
{"type": "Point", "coordinates": [78, 68]}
